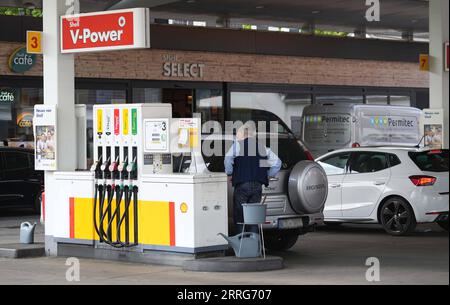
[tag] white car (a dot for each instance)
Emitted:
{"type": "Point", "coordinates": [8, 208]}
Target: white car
{"type": "Point", "coordinates": [396, 187]}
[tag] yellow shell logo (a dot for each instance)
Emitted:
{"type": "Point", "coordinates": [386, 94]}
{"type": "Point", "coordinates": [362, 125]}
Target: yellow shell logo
{"type": "Point", "coordinates": [184, 208]}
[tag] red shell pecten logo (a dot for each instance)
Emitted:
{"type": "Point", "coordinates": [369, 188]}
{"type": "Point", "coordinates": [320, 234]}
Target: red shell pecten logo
{"type": "Point", "coordinates": [99, 31]}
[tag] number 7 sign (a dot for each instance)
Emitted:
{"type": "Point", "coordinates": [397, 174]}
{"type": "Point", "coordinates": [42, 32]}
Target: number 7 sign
{"type": "Point", "coordinates": [34, 42]}
{"type": "Point", "coordinates": [424, 62]}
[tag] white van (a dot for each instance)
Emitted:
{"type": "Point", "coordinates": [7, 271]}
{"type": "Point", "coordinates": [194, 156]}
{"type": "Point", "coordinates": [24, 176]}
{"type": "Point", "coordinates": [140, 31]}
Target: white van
{"type": "Point", "coordinates": [328, 127]}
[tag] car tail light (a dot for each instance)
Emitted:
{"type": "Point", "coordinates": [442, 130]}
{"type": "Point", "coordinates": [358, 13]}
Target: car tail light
{"type": "Point", "coordinates": [309, 156]}
{"type": "Point", "coordinates": [423, 180]}
{"type": "Point", "coordinates": [356, 145]}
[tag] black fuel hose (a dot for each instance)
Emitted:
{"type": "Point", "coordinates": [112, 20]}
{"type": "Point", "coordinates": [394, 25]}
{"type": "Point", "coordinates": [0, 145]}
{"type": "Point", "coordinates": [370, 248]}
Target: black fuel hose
{"type": "Point", "coordinates": [128, 197]}
{"type": "Point", "coordinates": [108, 234]}
{"type": "Point", "coordinates": [97, 202]}
{"type": "Point", "coordinates": [101, 214]}
{"type": "Point", "coordinates": [96, 191]}
{"type": "Point", "coordinates": [136, 220]}
{"type": "Point", "coordinates": [116, 215]}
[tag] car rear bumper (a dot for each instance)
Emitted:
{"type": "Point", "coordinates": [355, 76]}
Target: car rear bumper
{"type": "Point", "coordinates": [430, 206]}
{"type": "Point", "coordinates": [439, 216]}
{"type": "Point", "coordinates": [309, 222]}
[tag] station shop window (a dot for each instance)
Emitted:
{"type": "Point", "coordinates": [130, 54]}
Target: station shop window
{"type": "Point", "coordinates": [336, 98]}
{"type": "Point", "coordinates": [91, 97]}
{"type": "Point", "coordinates": [207, 102]}
{"type": "Point", "coordinates": [400, 100]}
{"type": "Point", "coordinates": [182, 100]}
{"type": "Point", "coordinates": [16, 116]}
{"type": "Point", "coordinates": [377, 99]}
{"type": "Point", "coordinates": [284, 107]}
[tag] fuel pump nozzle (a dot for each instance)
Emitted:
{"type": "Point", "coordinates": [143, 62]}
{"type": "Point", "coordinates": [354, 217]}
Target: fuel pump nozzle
{"type": "Point", "coordinates": [113, 169]}
{"type": "Point", "coordinates": [95, 168]}
{"type": "Point", "coordinates": [105, 166]}
{"type": "Point", "coordinates": [131, 169]}
{"type": "Point", "coordinates": [122, 168]}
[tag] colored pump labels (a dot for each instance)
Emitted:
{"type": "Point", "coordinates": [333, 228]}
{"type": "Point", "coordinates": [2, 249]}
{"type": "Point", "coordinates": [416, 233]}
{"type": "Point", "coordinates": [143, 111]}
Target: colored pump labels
{"type": "Point", "coordinates": [126, 122]}
{"type": "Point", "coordinates": [100, 122]}
{"type": "Point", "coordinates": [109, 122]}
{"type": "Point", "coordinates": [134, 119]}
{"type": "Point", "coordinates": [116, 122]}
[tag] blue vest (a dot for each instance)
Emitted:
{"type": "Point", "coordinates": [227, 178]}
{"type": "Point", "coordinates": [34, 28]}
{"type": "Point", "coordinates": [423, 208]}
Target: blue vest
{"type": "Point", "coordinates": [247, 165]}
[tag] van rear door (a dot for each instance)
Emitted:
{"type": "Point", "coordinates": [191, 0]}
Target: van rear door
{"type": "Point", "coordinates": [379, 126]}
{"type": "Point", "coordinates": [326, 132]}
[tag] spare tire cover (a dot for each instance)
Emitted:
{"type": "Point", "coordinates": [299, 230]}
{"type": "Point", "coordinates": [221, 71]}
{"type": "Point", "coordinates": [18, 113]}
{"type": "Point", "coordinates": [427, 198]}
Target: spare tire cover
{"type": "Point", "coordinates": [308, 188]}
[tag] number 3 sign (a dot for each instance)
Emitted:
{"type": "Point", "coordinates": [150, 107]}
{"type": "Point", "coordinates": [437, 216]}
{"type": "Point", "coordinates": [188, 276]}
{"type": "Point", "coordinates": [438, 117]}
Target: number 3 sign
{"type": "Point", "coordinates": [34, 42]}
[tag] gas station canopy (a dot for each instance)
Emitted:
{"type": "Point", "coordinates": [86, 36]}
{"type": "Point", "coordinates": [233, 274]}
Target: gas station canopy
{"type": "Point", "coordinates": [409, 16]}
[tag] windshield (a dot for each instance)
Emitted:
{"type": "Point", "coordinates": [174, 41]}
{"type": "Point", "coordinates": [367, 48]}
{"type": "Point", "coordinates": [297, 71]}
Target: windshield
{"type": "Point", "coordinates": [290, 153]}
{"type": "Point", "coordinates": [244, 115]}
{"type": "Point", "coordinates": [431, 161]}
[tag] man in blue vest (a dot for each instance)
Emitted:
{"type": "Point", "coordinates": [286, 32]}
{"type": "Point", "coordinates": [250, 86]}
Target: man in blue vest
{"type": "Point", "coordinates": [250, 165]}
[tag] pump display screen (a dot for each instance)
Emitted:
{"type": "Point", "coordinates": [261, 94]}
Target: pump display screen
{"type": "Point", "coordinates": [327, 130]}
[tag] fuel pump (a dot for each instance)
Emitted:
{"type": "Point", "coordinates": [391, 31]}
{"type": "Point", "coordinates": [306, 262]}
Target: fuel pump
{"type": "Point", "coordinates": [120, 139]}
{"type": "Point", "coordinates": [138, 199]}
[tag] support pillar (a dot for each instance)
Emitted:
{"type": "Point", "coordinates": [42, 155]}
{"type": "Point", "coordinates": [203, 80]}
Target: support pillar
{"type": "Point", "coordinates": [439, 82]}
{"type": "Point", "coordinates": [59, 90]}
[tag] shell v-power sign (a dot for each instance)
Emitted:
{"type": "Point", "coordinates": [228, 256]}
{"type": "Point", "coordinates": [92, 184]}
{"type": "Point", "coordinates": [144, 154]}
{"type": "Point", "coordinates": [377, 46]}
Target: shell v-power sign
{"type": "Point", "coordinates": [106, 31]}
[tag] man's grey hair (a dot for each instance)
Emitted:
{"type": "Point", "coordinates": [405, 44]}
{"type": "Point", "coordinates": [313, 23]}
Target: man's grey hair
{"type": "Point", "coordinates": [248, 130]}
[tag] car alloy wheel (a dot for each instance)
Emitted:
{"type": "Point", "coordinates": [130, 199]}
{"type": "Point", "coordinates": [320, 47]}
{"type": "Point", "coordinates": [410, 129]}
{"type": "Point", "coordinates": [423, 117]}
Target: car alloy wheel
{"type": "Point", "coordinates": [397, 217]}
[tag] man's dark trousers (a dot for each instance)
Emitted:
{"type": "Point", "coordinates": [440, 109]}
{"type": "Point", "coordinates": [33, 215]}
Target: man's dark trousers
{"type": "Point", "coordinates": [248, 192]}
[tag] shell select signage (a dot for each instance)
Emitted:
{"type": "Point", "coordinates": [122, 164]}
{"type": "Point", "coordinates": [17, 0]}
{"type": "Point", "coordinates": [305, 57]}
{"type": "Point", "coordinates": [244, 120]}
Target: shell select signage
{"type": "Point", "coordinates": [105, 31]}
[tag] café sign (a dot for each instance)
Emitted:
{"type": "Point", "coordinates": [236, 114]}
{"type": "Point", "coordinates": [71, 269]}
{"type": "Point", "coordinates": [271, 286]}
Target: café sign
{"type": "Point", "coordinates": [7, 96]}
{"type": "Point", "coordinates": [20, 61]}
{"type": "Point", "coordinates": [25, 120]}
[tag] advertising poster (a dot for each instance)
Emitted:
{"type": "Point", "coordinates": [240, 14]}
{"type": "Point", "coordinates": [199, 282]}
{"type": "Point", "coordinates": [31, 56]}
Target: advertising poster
{"type": "Point", "coordinates": [45, 134]}
{"type": "Point", "coordinates": [433, 128]}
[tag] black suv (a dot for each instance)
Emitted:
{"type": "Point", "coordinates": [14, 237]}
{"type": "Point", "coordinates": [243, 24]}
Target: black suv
{"type": "Point", "coordinates": [20, 185]}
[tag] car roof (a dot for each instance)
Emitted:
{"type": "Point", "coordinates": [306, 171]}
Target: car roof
{"type": "Point", "coordinates": [385, 149]}
{"type": "Point", "coordinates": [231, 137]}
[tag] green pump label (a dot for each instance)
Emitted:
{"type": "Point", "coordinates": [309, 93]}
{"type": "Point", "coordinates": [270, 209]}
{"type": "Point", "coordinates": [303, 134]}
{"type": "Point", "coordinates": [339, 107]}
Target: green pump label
{"type": "Point", "coordinates": [134, 119]}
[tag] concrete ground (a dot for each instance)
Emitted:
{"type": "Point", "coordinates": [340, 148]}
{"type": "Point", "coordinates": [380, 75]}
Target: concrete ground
{"type": "Point", "coordinates": [329, 256]}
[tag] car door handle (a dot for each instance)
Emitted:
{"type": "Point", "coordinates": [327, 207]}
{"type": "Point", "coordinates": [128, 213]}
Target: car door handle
{"type": "Point", "coordinates": [274, 179]}
{"type": "Point", "coordinates": [379, 183]}
{"type": "Point", "coordinates": [335, 186]}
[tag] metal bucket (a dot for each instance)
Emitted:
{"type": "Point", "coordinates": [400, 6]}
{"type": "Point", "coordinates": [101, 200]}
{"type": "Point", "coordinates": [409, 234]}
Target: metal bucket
{"type": "Point", "coordinates": [254, 213]}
